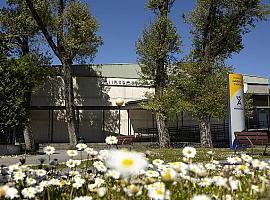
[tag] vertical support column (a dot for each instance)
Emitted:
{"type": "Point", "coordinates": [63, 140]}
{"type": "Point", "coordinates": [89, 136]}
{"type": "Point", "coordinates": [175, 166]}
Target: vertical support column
{"type": "Point", "coordinates": [177, 121]}
{"type": "Point", "coordinates": [128, 120]}
{"type": "Point", "coordinates": [182, 118]}
{"type": "Point", "coordinates": [119, 118]}
{"type": "Point", "coordinates": [103, 120]}
{"type": "Point", "coordinates": [51, 138]}
{"type": "Point", "coordinates": [153, 130]}
{"type": "Point", "coordinates": [78, 121]}
{"type": "Point", "coordinates": [268, 113]}
{"type": "Point", "coordinates": [49, 125]}
{"type": "Point", "coordinates": [257, 118]}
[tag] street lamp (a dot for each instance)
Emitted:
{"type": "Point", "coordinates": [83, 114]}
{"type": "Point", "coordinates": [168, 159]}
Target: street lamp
{"type": "Point", "coordinates": [119, 102]}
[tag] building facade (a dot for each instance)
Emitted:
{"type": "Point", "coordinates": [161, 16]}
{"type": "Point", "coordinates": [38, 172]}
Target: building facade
{"type": "Point", "coordinates": [96, 89]}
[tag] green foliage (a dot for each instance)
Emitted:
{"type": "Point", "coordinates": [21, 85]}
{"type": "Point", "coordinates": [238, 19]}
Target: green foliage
{"type": "Point", "coordinates": [18, 26]}
{"type": "Point", "coordinates": [150, 50]}
{"type": "Point", "coordinates": [202, 96]}
{"type": "Point", "coordinates": [218, 26]}
{"type": "Point", "coordinates": [248, 105]}
{"type": "Point", "coordinates": [156, 4]}
{"type": "Point", "coordinates": [18, 78]}
{"type": "Point", "coordinates": [80, 38]}
{"type": "Point", "coordinates": [217, 29]}
{"type": "Point", "coordinates": [157, 49]}
{"type": "Point", "coordinates": [169, 103]}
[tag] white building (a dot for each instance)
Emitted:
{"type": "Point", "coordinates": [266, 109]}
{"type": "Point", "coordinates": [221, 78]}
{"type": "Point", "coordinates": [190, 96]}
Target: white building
{"type": "Point", "coordinates": [96, 89]}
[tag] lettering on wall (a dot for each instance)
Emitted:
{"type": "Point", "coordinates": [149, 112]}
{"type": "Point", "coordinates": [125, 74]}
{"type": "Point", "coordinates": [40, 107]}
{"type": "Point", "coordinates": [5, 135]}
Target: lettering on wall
{"type": "Point", "coordinates": [125, 82]}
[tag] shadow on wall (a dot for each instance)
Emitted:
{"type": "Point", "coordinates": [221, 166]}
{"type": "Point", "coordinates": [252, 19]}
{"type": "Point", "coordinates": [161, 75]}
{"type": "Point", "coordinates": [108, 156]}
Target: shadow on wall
{"type": "Point", "coordinates": [93, 123]}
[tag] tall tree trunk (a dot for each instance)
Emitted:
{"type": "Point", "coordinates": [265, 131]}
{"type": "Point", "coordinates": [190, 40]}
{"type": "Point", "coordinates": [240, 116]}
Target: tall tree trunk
{"type": "Point", "coordinates": [205, 133]}
{"type": "Point", "coordinates": [161, 76]}
{"type": "Point", "coordinates": [69, 103]}
{"type": "Point", "coordinates": [28, 136]}
{"type": "Point", "coordinates": [66, 60]}
{"type": "Point", "coordinates": [163, 132]}
{"type": "Point", "coordinates": [27, 132]}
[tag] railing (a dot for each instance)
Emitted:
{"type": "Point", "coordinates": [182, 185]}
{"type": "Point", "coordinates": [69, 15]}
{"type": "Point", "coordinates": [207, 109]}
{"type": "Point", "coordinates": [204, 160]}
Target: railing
{"type": "Point", "coordinates": [190, 134]}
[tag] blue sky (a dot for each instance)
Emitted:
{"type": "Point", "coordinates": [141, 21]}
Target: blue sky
{"type": "Point", "coordinates": [122, 22]}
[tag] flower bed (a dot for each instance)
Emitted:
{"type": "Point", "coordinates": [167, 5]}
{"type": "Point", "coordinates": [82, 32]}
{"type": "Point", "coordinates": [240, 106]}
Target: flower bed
{"type": "Point", "coordinates": [122, 174]}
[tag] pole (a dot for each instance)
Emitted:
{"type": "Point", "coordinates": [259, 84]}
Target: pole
{"type": "Point", "coordinates": [119, 119]}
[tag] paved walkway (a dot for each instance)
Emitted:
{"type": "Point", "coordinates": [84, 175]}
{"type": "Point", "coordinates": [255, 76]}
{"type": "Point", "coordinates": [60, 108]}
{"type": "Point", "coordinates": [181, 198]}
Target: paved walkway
{"type": "Point", "coordinates": [61, 155]}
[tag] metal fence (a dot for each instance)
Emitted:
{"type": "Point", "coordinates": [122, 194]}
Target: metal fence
{"type": "Point", "coordinates": [188, 134]}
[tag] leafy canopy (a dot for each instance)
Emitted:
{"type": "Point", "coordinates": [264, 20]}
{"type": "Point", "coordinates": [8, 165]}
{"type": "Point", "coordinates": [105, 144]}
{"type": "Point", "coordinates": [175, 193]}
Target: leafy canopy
{"type": "Point", "coordinates": [18, 78]}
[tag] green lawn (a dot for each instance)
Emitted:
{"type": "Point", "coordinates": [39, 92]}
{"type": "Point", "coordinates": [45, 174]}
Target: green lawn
{"type": "Point", "coordinates": [174, 154]}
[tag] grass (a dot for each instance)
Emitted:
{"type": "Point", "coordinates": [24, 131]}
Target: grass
{"type": "Point", "coordinates": [174, 154]}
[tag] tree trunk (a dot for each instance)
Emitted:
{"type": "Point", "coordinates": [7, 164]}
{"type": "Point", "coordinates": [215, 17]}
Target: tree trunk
{"type": "Point", "coordinates": [28, 136]}
{"type": "Point", "coordinates": [205, 133]}
{"type": "Point", "coordinates": [163, 132]}
{"type": "Point", "coordinates": [69, 103]}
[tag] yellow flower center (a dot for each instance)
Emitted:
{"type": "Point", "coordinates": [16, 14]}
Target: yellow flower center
{"type": "Point", "coordinates": [243, 167]}
{"type": "Point", "coordinates": [127, 162]}
{"type": "Point", "coordinates": [134, 189]}
{"type": "Point", "coordinates": [167, 176]}
{"type": "Point", "coordinates": [159, 192]}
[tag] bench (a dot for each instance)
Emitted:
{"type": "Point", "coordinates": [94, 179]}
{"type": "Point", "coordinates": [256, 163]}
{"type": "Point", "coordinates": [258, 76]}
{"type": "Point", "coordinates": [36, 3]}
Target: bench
{"type": "Point", "coordinates": [125, 140]}
{"type": "Point", "coordinates": [245, 139]}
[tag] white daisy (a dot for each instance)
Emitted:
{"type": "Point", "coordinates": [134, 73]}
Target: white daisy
{"type": "Point", "coordinates": [168, 175]}
{"type": "Point", "coordinates": [70, 163]}
{"type": "Point", "coordinates": [101, 191]}
{"type": "Point", "coordinates": [89, 150]}
{"type": "Point", "coordinates": [41, 172]}
{"type": "Point", "coordinates": [189, 152]}
{"type": "Point", "coordinates": [127, 163]}
{"type": "Point", "coordinates": [157, 162]}
{"type": "Point", "coordinates": [157, 191]}
{"type": "Point", "coordinates": [111, 140]}
{"type": "Point", "coordinates": [30, 181]}
{"type": "Point", "coordinates": [100, 166]}
{"type": "Point", "coordinates": [113, 173]}
{"type": "Point", "coordinates": [11, 193]}
{"type": "Point", "coordinates": [72, 153]}
{"type": "Point", "coordinates": [81, 146]}
{"type": "Point", "coordinates": [49, 150]}
{"type": "Point", "coordinates": [29, 192]}
{"type": "Point", "coordinates": [133, 190]}
{"type": "Point", "coordinates": [19, 175]}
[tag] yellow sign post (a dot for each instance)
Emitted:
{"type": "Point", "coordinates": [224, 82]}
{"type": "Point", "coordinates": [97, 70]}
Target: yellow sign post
{"type": "Point", "coordinates": [236, 106]}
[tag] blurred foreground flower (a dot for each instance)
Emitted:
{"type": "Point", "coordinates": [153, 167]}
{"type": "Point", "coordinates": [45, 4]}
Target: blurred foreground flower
{"type": "Point", "coordinates": [127, 163]}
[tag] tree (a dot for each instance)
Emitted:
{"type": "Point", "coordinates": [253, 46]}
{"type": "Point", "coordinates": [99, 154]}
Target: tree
{"type": "Point", "coordinates": [17, 78]}
{"type": "Point", "coordinates": [18, 30]}
{"type": "Point", "coordinates": [217, 29]}
{"type": "Point", "coordinates": [71, 36]}
{"type": "Point", "coordinates": [156, 51]}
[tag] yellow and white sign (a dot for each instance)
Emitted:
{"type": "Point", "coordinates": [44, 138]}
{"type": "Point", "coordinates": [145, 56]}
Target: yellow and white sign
{"type": "Point", "coordinates": [236, 106]}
